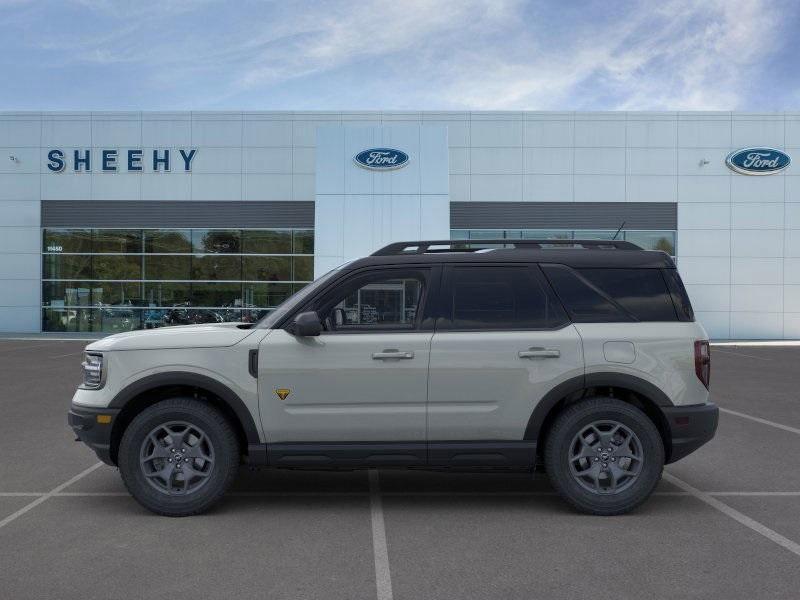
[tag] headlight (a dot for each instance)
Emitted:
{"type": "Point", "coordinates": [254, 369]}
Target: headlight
{"type": "Point", "coordinates": [92, 370]}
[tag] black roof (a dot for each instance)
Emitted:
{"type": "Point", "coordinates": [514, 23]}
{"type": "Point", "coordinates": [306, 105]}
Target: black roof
{"type": "Point", "coordinates": [573, 253]}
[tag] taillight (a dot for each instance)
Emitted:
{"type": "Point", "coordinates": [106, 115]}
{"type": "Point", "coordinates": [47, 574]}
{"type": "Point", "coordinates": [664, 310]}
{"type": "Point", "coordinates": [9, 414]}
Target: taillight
{"type": "Point", "coordinates": [702, 361]}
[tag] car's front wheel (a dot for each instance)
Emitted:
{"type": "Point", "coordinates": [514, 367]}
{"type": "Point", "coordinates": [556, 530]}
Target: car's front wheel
{"type": "Point", "coordinates": [604, 456]}
{"type": "Point", "coordinates": [178, 457]}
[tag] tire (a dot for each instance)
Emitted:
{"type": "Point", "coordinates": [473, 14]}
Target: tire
{"type": "Point", "coordinates": [178, 457]}
{"type": "Point", "coordinates": [585, 434]}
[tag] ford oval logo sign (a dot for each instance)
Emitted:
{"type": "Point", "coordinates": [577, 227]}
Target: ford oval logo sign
{"type": "Point", "coordinates": [758, 161]}
{"type": "Point", "coordinates": [381, 159]}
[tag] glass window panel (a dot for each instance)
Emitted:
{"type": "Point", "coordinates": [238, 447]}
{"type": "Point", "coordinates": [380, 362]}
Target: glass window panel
{"type": "Point", "coordinates": [653, 240]}
{"type": "Point", "coordinates": [67, 240]}
{"type": "Point", "coordinates": [217, 267]}
{"type": "Point", "coordinates": [113, 320]}
{"type": "Point", "coordinates": [266, 295]}
{"type": "Point", "coordinates": [166, 294]}
{"type": "Point", "coordinates": [67, 266]}
{"type": "Point", "coordinates": [117, 267]}
{"type": "Point", "coordinates": [217, 240]}
{"type": "Point", "coordinates": [67, 319]}
{"type": "Point", "coordinates": [167, 267]}
{"type": "Point", "coordinates": [380, 302]}
{"type": "Point", "coordinates": [266, 241]}
{"type": "Point", "coordinates": [216, 294]}
{"type": "Point", "coordinates": [584, 303]}
{"type": "Point", "coordinates": [304, 241]}
{"type": "Point", "coordinates": [167, 240]}
{"type": "Point", "coordinates": [459, 234]}
{"type": "Point", "coordinates": [501, 298]}
{"type": "Point", "coordinates": [117, 240]}
{"type": "Point", "coordinates": [486, 234]}
{"type": "Point", "coordinates": [267, 268]}
{"type": "Point", "coordinates": [587, 234]}
{"type": "Point", "coordinates": [188, 315]}
{"type": "Point", "coordinates": [642, 292]}
{"type": "Point", "coordinates": [303, 268]}
{"type": "Point", "coordinates": [546, 234]}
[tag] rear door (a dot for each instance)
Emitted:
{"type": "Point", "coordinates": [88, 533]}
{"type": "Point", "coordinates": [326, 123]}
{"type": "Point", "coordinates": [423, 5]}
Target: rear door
{"type": "Point", "coordinates": [502, 341]}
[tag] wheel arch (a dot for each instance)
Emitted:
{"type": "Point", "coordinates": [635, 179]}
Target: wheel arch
{"type": "Point", "coordinates": [149, 390]}
{"type": "Point", "coordinates": [628, 388]}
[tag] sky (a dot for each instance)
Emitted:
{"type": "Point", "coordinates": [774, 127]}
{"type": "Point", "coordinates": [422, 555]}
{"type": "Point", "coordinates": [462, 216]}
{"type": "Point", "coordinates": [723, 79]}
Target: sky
{"type": "Point", "coordinates": [400, 55]}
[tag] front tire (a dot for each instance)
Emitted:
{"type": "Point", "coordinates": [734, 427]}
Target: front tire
{"type": "Point", "coordinates": [178, 457]}
{"type": "Point", "coordinates": [604, 456]}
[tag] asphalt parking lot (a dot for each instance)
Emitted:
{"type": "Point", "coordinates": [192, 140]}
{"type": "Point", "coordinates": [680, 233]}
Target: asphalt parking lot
{"type": "Point", "coordinates": [725, 522]}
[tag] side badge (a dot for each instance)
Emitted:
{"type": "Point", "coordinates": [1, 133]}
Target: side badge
{"type": "Point", "coordinates": [283, 393]}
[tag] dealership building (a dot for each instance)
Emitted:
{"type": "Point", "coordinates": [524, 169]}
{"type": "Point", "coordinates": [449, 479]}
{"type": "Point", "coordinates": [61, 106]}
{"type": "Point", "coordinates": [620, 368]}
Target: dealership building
{"type": "Point", "coordinates": [111, 221]}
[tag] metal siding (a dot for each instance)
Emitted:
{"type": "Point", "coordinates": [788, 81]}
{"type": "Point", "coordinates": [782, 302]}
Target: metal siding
{"type": "Point", "coordinates": [563, 215]}
{"type": "Point", "coordinates": [136, 213]}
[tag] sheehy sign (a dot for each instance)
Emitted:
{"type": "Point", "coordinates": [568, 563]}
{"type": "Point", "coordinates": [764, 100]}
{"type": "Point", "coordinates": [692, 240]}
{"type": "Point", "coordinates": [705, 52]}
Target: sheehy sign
{"type": "Point", "coordinates": [111, 161]}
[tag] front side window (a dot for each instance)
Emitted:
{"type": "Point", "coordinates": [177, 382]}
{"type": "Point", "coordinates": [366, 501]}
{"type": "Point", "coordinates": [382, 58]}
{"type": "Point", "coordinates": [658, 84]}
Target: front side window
{"type": "Point", "coordinates": [381, 301]}
{"type": "Point", "coordinates": [500, 298]}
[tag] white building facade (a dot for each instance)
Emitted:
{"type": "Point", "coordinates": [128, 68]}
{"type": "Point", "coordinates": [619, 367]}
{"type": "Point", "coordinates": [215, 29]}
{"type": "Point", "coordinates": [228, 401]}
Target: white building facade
{"type": "Point", "coordinates": [116, 221]}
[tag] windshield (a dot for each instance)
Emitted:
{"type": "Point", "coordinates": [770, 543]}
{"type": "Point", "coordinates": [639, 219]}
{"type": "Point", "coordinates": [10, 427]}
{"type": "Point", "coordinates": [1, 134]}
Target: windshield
{"type": "Point", "coordinates": [293, 301]}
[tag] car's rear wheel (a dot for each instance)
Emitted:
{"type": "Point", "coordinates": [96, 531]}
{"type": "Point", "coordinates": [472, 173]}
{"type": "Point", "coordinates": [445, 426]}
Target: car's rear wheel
{"type": "Point", "coordinates": [604, 456]}
{"type": "Point", "coordinates": [178, 457]}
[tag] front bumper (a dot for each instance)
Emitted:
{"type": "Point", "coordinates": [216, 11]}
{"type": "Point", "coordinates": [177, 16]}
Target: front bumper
{"type": "Point", "coordinates": [690, 427]}
{"type": "Point", "coordinates": [95, 434]}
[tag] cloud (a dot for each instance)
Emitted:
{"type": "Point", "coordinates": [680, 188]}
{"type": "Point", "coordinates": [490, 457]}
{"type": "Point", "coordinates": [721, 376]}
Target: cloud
{"type": "Point", "coordinates": [447, 54]}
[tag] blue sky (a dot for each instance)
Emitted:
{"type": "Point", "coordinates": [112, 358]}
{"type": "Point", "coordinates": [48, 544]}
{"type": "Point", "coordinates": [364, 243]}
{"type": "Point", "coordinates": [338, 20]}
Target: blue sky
{"type": "Point", "coordinates": [400, 54]}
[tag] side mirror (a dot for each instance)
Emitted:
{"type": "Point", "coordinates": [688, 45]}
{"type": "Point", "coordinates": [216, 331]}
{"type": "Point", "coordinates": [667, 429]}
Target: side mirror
{"type": "Point", "coordinates": [306, 324]}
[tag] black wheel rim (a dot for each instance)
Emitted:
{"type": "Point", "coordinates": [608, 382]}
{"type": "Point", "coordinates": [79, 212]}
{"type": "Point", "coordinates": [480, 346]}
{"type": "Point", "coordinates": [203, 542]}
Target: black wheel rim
{"type": "Point", "coordinates": [605, 457]}
{"type": "Point", "coordinates": [177, 458]}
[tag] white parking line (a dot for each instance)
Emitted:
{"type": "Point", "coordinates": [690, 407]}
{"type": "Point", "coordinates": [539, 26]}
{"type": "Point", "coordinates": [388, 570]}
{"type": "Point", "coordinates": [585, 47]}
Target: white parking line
{"type": "Point", "coordinates": [762, 421]}
{"type": "Point", "coordinates": [49, 494]}
{"type": "Point", "coordinates": [768, 533]}
{"type": "Point", "coordinates": [383, 579]}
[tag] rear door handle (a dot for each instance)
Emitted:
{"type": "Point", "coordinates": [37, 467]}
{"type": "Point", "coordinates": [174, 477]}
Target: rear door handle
{"type": "Point", "coordinates": [392, 354]}
{"type": "Point", "coordinates": [539, 353]}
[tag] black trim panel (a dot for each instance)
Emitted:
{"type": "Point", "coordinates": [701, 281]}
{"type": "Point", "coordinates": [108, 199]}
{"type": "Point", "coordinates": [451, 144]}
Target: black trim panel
{"type": "Point", "coordinates": [194, 380]}
{"type": "Point", "coordinates": [83, 421]}
{"type": "Point", "coordinates": [548, 401]}
{"type": "Point", "coordinates": [434, 455]}
{"type": "Point", "coordinates": [631, 382]}
{"type": "Point", "coordinates": [690, 427]}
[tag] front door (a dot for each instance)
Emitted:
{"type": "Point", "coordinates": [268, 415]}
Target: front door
{"type": "Point", "coordinates": [501, 343]}
{"type": "Point", "coordinates": [364, 379]}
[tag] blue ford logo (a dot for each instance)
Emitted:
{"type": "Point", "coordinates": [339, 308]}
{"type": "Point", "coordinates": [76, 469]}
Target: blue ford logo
{"type": "Point", "coordinates": [758, 161]}
{"type": "Point", "coordinates": [381, 159]}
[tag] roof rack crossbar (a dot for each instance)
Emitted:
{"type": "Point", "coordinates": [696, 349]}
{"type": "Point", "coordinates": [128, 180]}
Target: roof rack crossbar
{"type": "Point", "coordinates": [427, 246]}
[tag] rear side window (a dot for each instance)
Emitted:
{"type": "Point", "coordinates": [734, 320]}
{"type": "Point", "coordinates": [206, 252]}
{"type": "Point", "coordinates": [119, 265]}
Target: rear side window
{"type": "Point", "coordinates": [500, 298]}
{"type": "Point", "coordinates": [610, 295]}
{"type": "Point", "coordinates": [641, 292]}
{"type": "Point", "coordinates": [584, 302]}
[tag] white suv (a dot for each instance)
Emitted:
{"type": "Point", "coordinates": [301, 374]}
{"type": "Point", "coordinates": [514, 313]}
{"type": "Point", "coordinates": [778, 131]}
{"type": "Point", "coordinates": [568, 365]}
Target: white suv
{"type": "Point", "coordinates": [579, 357]}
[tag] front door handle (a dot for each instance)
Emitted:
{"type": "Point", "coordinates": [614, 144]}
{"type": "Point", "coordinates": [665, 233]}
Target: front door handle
{"type": "Point", "coordinates": [539, 353]}
{"type": "Point", "coordinates": [389, 354]}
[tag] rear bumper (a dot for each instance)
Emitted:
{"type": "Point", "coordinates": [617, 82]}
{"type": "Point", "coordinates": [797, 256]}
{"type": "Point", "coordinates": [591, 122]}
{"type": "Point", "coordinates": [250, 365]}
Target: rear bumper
{"type": "Point", "coordinates": [97, 436]}
{"type": "Point", "coordinates": [690, 427]}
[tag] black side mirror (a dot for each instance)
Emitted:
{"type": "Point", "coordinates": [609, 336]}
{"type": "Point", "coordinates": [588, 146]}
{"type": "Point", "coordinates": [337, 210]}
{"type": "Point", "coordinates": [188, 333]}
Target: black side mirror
{"type": "Point", "coordinates": [306, 324]}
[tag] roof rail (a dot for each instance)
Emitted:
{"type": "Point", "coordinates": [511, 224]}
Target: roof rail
{"type": "Point", "coordinates": [434, 246]}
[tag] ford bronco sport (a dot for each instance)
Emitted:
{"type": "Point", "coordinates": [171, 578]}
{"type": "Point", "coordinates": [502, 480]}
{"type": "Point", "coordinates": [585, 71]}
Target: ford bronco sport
{"type": "Point", "coordinates": [579, 357]}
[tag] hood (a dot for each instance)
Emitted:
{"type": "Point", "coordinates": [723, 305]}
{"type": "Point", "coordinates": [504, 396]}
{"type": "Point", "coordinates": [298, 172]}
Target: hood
{"type": "Point", "coordinates": [214, 335]}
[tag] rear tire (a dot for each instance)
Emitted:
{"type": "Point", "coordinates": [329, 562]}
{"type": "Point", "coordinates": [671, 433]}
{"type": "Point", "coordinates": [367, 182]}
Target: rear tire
{"type": "Point", "coordinates": [604, 456]}
{"type": "Point", "coordinates": [178, 457]}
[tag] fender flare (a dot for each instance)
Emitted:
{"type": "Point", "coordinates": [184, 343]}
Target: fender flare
{"type": "Point", "coordinates": [228, 396]}
{"type": "Point", "coordinates": [581, 382]}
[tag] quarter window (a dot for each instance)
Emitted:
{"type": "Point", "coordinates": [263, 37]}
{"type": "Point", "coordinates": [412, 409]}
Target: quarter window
{"type": "Point", "coordinates": [500, 298]}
